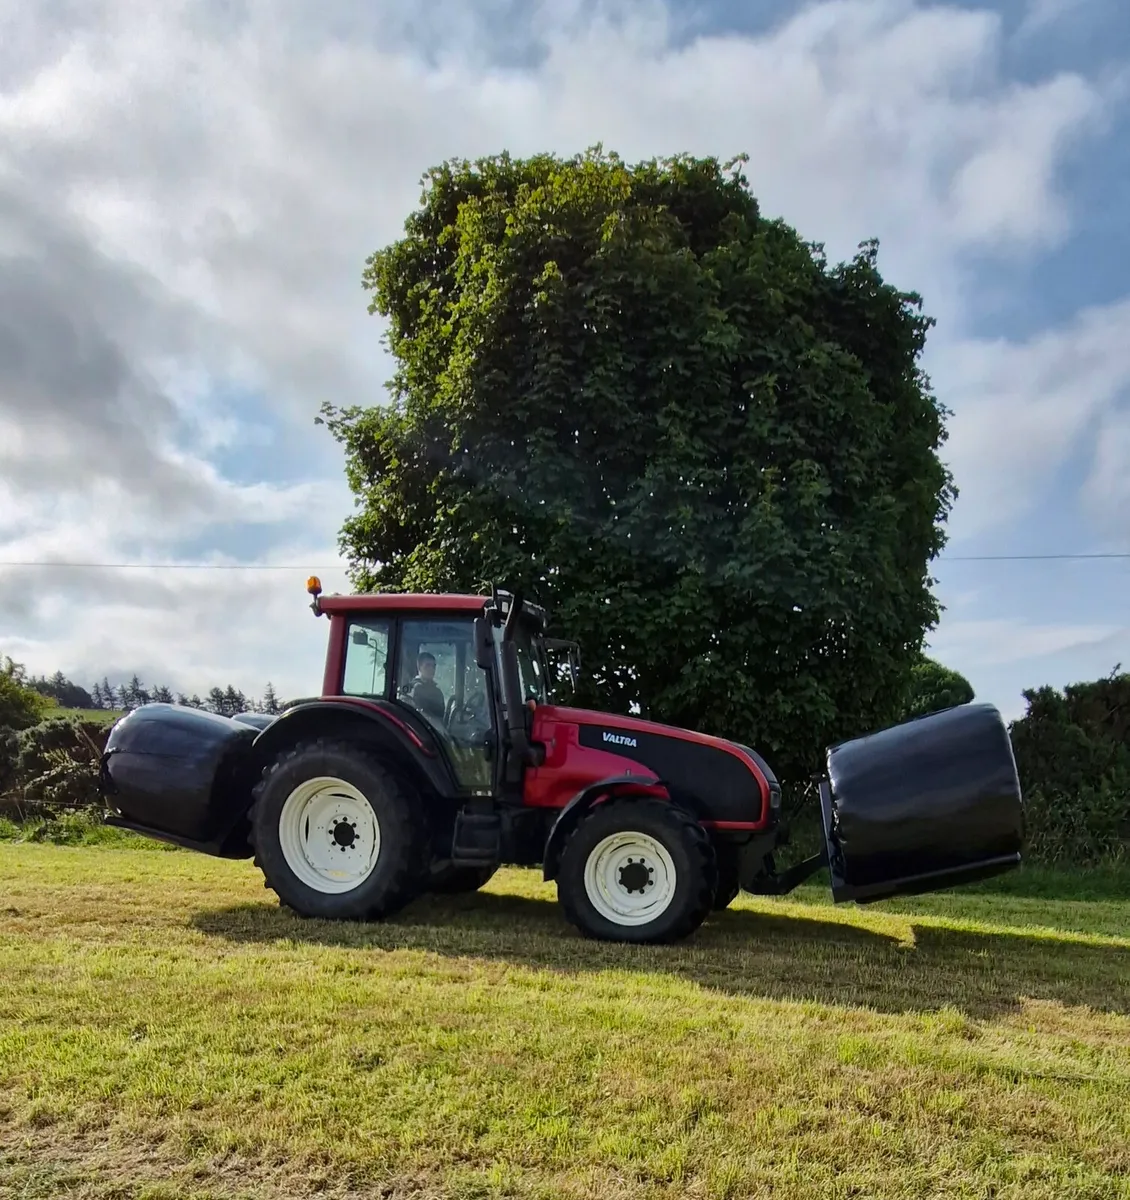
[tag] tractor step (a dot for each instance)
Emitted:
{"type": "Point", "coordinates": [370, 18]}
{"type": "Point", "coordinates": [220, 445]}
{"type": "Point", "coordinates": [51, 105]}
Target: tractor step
{"type": "Point", "coordinates": [477, 840]}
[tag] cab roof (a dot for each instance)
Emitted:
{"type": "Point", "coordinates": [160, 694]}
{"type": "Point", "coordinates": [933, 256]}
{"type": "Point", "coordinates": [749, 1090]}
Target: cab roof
{"type": "Point", "coordinates": [401, 601]}
{"type": "Point", "coordinates": [438, 602]}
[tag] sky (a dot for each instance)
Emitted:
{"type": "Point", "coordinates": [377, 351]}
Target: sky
{"type": "Point", "coordinates": [188, 192]}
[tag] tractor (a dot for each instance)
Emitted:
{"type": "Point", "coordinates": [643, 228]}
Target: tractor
{"type": "Point", "coordinates": [441, 748]}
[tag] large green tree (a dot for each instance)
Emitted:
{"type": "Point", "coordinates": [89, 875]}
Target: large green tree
{"type": "Point", "coordinates": [623, 390]}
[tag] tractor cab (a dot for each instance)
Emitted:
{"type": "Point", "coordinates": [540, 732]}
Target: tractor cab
{"type": "Point", "coordinates": [470, 668]}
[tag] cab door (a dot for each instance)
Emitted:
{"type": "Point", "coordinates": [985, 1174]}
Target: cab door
{"type": "Point", "coordinates": [437, 675]}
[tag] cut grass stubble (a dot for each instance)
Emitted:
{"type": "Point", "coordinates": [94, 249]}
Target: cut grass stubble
{"type": "Point", "coordinates": [164, 1024]}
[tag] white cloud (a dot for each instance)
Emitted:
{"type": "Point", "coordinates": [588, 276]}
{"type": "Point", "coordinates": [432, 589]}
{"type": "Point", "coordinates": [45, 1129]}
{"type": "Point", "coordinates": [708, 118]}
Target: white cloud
{"type": "Point", "coordinates": [994, 643]}
{"type": "Point", "coordinates": [1004, 193]}
{"type": "Point", "coordinates": [1022, 408]}
{"type": "Point", "coordinates": [1002, 658]}
{"type": "Point", "coordinates": [1042, 15]}
{"type": "Point", "coordinates": [251, 173]}
{"type": "Point", "coordinates": [189, 191]}
{"type": "Point", "coordinates": [188, 631]}
{"type": "Point", "coordinates": [1107, 490]}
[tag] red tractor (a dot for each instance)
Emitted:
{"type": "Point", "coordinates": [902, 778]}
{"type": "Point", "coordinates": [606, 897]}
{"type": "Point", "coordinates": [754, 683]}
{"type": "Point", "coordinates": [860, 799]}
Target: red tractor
{"type": "Point", "coordinates": [436, 753]}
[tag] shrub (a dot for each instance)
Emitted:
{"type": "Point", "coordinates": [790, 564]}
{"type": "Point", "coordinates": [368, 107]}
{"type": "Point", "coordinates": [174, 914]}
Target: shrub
{"type": "Point", "coordinates": [51, 767]}
{"type": "Point", "coordinates": [20, 705]}
{"type": "Point", "coordinates": [1073, 755]}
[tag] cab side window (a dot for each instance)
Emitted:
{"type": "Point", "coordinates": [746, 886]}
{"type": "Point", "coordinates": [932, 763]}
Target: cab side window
{"type": "Point", "coordinates": [366, 659]}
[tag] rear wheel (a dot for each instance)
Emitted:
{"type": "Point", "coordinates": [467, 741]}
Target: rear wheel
{"type": "Point", "coordinates": [637, 871]}
{"type": "Point", "coordinates": [336, 834]}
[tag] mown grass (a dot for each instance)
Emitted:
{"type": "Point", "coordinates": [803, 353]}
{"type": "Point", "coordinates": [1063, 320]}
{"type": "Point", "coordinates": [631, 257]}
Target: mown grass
{"type": "Point", "coordinates": [103, 716]}
{"type": "Point", "coordinates": [167, 1030]}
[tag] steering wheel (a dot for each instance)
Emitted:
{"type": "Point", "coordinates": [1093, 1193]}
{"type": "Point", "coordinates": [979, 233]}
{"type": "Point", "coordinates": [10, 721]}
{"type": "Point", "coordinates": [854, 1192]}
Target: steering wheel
{"type": "Point", "coordinates": [473, 708]}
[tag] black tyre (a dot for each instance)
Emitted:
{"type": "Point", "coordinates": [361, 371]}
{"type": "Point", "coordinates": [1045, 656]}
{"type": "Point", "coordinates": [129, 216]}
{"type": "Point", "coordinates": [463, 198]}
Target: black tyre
{"type": "Point", "coordinates": [336, 834]}
{"type": "Point", "coordinates": [637, 871]}
{"type": "Point", "coordinates": [452, 880]}
{"type": "Point", "coordinates": [728, 883]}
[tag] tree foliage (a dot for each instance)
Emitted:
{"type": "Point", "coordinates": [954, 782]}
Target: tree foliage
{"type": "Point", "coordinates": [933, 687]}
{"type": "Point", "coordinates": [623, 390]}
{"type": "Point", "coordinates": [51, 766]}
{"type": "Point", "coordinates": [58, 761]}
{"type": "Point", "coordinates": [21, 706]}
{"type": "Point", "coordinates": [1072, 752]}
{"type": "Point", "coordinates": [133, 693]}
{"type": "Point", "coordinates": [63, 691]}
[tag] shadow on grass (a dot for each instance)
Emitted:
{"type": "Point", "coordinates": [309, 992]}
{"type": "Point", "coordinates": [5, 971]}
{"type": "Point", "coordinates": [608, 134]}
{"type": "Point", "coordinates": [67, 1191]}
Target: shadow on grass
{"type": "Point", "coordinates": [773, 956]}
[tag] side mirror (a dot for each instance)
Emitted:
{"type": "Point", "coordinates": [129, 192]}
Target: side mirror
{"type": "Point", "coordinates": [484, 644]}
{"type": "Point", "coordinates": [360, 637]}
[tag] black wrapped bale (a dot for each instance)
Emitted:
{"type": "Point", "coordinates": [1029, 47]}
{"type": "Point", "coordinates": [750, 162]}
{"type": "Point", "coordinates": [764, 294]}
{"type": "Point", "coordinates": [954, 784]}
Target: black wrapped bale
{"type": "Point", "coordinates": [178, 771]}
{"type": "Point", "coordinates": [923, 805]}
{"type": "Point", "coordinates": [257, 720]}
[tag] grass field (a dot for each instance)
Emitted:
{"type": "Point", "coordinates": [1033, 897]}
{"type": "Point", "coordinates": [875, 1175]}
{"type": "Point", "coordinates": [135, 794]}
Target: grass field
{"type": "Point", "coordinates": [102, 716]}
{"type": "Point", "coordinates": [166, 1030]}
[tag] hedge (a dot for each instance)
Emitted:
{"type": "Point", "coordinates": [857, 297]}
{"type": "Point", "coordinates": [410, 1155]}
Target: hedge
{"type": "Point", "coordinates": [1072, 752]}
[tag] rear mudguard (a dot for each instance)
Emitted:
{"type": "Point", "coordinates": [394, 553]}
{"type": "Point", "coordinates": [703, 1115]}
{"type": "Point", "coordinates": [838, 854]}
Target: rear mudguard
{"type": "Point", "coordinates": [396, 728]}
{"type": "Point", "coordinates": [186, 776]}
{"type": "Point", "coordinates": [571, 814]}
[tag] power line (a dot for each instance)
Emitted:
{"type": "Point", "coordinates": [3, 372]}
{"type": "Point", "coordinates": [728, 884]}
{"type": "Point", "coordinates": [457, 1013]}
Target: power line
{"type": "Point", "coordinates": [1022, 557]}
{"type": "Point", "coordinates": [158, 566]}
{"type": "Point", "coordinates": [136, 566]}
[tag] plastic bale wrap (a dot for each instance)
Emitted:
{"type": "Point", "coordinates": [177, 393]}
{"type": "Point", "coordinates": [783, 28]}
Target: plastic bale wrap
{"type": "Point", "coordinates": [923, 805]}
{"type": "Point", "coordinates": [173, 770]}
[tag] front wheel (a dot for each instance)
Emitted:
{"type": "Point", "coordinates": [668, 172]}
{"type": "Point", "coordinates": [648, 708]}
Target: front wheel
{"type": "Point", "coordinates": [637, 870]}
{"type": "Point", "coordinates": [336, 834]}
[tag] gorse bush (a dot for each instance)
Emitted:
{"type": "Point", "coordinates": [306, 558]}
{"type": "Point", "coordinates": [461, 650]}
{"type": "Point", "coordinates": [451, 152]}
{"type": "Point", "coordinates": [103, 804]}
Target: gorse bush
{"type": "Point", "coordinates": [51, 767]}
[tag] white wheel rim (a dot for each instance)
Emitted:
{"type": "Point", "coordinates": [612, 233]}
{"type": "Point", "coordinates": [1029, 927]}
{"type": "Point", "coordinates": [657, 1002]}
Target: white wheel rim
{"type": "Point", "coordinates": [630, 878]}
{"type": "Point", "coordinates": [329, 835]}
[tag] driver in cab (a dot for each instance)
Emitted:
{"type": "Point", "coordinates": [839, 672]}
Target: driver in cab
{"type": "Point", "coordinates": [424, 691]}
